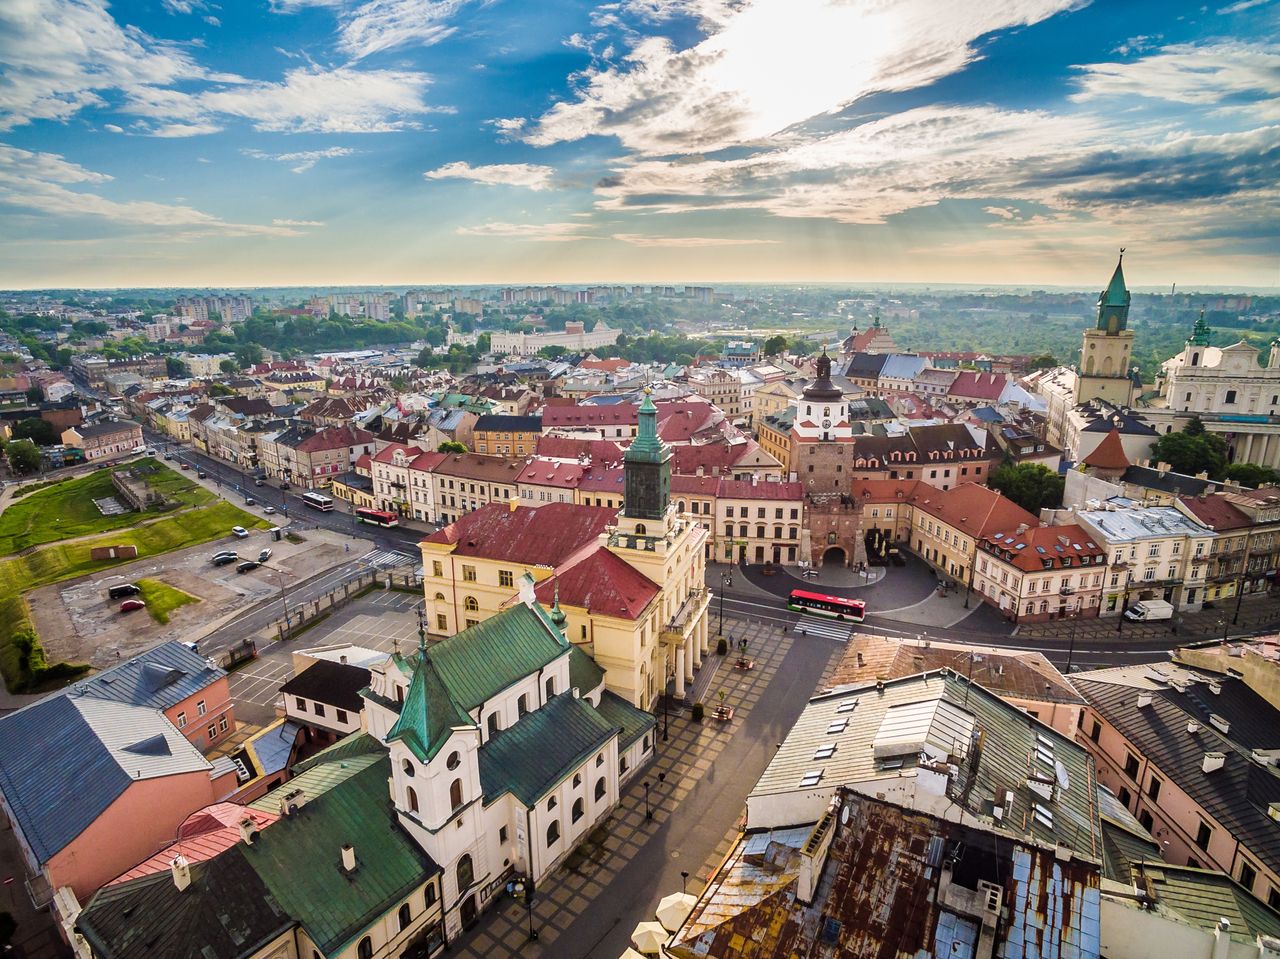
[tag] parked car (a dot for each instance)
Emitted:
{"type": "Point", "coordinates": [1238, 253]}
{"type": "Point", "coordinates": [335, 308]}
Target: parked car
{"type": "Point", "coordinates": [259, 481]}
{"type": "Point", "coordinates": [151, 451]}
{"type": "Point", "coordinates": [224, 560]}
{"type": "Point", "coordinates": [248, 566]}
{"type": "Point", "coordinates": [129, 605]}
{"type": "Point", "coordinates": [185, 466]}
{"type": "Point", "coordinates": [239, 532]}
{"type": "Point", "coordinates": [249, 501]}
{"type": "Point", "coordinates": [201, 473]}
{"type": "Point", "coordinates": [268, 510]}
{"type": "Point", "coordinates": [264, 554]}
{"type": "Point", "coordinates": [284, 484]}
{"type": "Point", "coordinates": [122, 590]}
{"type": "Point", "coordinates": [168, 456]}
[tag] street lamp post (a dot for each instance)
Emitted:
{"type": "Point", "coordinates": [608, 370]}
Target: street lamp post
{"type": "Point", "coordinates": [666, 694]}
{"type": "Point", "coordinates": [523, 888]}
{"type": "Point", "coordinates": [1071, 646]}
{"type": "Point", "coordinates": [726, 580]}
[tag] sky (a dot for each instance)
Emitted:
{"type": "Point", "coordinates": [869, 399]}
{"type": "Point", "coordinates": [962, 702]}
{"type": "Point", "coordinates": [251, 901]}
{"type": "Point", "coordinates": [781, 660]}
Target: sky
{"type": "Point", "coordinates": [367, 142]}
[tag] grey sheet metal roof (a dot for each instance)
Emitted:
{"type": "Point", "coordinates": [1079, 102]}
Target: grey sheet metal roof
{"type": "Point", "coordinates": [141, 741]}
{"type": "Point", "coordinates": [1006, 747]}
{"type": "Point", "coordinates": [160, 677]}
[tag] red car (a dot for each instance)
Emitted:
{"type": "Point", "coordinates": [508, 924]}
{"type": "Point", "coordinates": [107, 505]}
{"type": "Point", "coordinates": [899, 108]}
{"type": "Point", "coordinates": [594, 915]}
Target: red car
{"type": "Point", "coordinates": [129, 605]}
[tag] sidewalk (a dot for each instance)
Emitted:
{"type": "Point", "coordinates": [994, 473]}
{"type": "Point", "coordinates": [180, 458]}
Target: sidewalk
{"type": "Point", "coordinates": [1258, 613]}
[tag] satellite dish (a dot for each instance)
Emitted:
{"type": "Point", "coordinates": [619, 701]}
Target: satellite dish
{"type": "Point", "coordinates": [1060, 773]}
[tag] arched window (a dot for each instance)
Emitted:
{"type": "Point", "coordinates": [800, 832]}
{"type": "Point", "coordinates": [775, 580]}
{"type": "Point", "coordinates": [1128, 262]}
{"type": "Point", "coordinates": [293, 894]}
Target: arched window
{"type": "Point", "coordinates": [600, 788]}
{"type": "Point", "coordinates": [470, 604]}
{"type": "Point", "coordinates": [680, 506]}
{"type": "Point", "coordinates": [466, 874]}
{"type": "Point", "coordinates": [439, 597]}
{"type": "Point", "coordinates": [406, 914]}
{"type": "Point", "coordinates": [553, 833]}
{"type": "Point", "coordinates": [413, 800]}
{"type": "Point", "coordinates": [640, 529]}
{"type": "Point", "coordinates": [430, 896]}
{"type": "Point", "coordinates": [494, 725]}
{"type": "Point", "coordinates": [551, 686]}
{"type": "Point", "coordinates": [579, 808]}
{"type": "Point", "coordinates": [407, 766]}
{"type": "Point", "coordinates": [455, 794]}
{"type": "Point", "coordinates": [365, 949]}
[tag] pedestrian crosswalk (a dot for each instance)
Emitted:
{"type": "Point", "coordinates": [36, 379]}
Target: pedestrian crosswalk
{"type": "Point", "coordinates": [826, 628]}
{"type": "Point", "coordinates": [386, 558]}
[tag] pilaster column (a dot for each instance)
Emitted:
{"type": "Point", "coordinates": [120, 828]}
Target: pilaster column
{"type": "Point", "coordinates": [704, 629]}
{"type": "Point", "coordinates": [695, 645]}
{"type": "Point", "coordinates": [687, 646]}
{"type": "Point", "coordinates": [679, 690]}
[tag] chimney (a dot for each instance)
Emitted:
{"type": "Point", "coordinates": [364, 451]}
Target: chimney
{"type": "Point", "coordinates": [814, 854]}
{"type": "Point", "coordinates": [1222, 939]}
{"type": "Point", "coordinates": [348, 858]}
{"type": "Point", "coordinates": [1144, 700]}
{"type": "Point", "coordinates": [247, 831]}
{"type": "Point", "coordinates": [1193, 727]}
{"type": "Point", "coordinates": [1213, 762]}
{"type": "Point", "coordinates": [181, 870]}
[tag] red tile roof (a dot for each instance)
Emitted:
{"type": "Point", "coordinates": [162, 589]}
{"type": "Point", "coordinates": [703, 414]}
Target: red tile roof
{"type": "Point", "coordinates": [710, 456]}
{"type": "Point", "coordinates": [974, 510]}
{"type": "Point", "coordinates": [615, 414]}
{"type": "Point", "coordinates": [1030, 549]}
{"type": "Point", "coordinates": [743, 489]}
{"type": "Point", "coordinates": [974, 385]}
{"type": "Point", "coordinates": [536, 536]}
{"type": "Point", "coordinates": [387, 453]}
{"type": "Point", "coordinates": [542, 472]}
{"type": "Point", "coordinates": [568, 447]}
{"type": "Point", "coordinates": [335, 437]}
{"type": "Point", "coordinates": [1216, 512]}
{"type": "Point", "coordinates": [605, 479]}
{"type": "Point", "coordinates": [601, 583]}
{"type": "Point", "coordinates": [478, 466]}
{"type": "Point", "coordinates": [692, 485]}
{"type": "Point", "coordinates": [884, 491]}
{"type": "Point", "coordinates": [609, 366]}
{"type": "Point", "coordinates": [1109, 454]}
{"type": "Point", "coordinates": [202, 835]}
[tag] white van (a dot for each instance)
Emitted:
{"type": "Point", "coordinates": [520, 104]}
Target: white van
{"type": "Point", "coordinates": [1149, 610]}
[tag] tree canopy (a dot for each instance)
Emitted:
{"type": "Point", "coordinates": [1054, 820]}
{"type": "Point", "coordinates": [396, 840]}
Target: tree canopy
{"type": "Point", "coordinates": [1192, 451]}
{"type": "Point", "coordinates": [1251, 474]}
{"type": "Point", "coordinates": [39, 431]}
{"type": "Point", "coordinates": [1030, 485]}
{"type": "Point", "coordinates": [23, 455]}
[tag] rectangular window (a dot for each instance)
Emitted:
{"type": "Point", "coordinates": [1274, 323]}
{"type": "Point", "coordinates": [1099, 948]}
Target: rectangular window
{"type": "Point", "coordinates": [1248, 875]}
{"type": "Point", "coordinates": [1203, 835]}
{"type": "Point", "coordinates": [505, 577]}
{"type": "Point", "coordinates": [341, 715]}
{"type": "Point", "coordinates": [1231, 397]}
{"type": "Point", "coordinates": [442, 622]}
{"type": "Point", "coordinates": [1096, 731]}
{"type": "Point", "coordinates": [300, 703]}
{"type": "Point", "coordinates": [200, 710]}
{"type": "Point", "coordinates": [1131, 766]}
{"type": "Point", "coordinates": [502, 834]}
{"type": "Point", "coordinates": [437, 568]}
{"type": "Point", "coordinates": [319, 707]}
{"type": "Point", "coordinates": [468, 574]}
{"type": "Point", "coordinates": [182, 720]}
{"type": "Point", "coordinates": [1153, 789]}
{"type": "Point", "coordinates": [222, 724]}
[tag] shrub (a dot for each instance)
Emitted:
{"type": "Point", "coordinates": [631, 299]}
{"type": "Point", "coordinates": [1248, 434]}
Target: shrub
{"type": "Point", "coordinates": [698, 711]}
{"type": "Point", "coordinates": [722, 646]}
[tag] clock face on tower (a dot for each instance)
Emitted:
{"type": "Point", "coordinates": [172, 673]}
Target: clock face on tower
{"type": "Point", "coordinates": [826, 424]}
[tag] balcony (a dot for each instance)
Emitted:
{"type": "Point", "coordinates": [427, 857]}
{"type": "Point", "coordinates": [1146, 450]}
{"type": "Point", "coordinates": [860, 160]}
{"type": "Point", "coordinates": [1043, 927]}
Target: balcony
{"type": "Point", "coordinates": [677, 629]}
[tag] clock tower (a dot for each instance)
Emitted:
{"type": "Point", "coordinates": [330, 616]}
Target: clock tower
{"type": "Point", "coordinates": [821, 413]}
{"type": "Point", "coordinates": [647, 467]}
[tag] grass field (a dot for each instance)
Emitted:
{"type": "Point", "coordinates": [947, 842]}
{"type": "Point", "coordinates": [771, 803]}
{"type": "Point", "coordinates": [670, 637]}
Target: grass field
{"type": "Point", "coordinates": [162, 599]}
{"type": "Point", "coordinates": [66, 510]}
{"type": "Point", "coordinates": [22, 661]}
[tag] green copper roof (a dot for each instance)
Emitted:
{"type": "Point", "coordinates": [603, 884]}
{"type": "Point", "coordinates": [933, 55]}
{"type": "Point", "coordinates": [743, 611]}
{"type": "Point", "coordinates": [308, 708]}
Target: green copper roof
{"type": "Point", "coordinates": [633, 722]}
{"type": "Point", "coordinates": [1116, 294]}
{"type": "Point", "coordinates": [299, 859]}
{"type": "Point", "coordinates": [1200, 333]}
{"type": "Point", "coordinates": [429, 714]}
{"type": "Point", "coordinates": [585, 674]}
{"type": "Point", "coordinates": [647, 447]}
{"type": "Point", "coordinates": [543, 748]}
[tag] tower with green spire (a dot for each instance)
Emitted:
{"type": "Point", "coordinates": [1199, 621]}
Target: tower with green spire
{"type": "Point", "coordinates": [647, 467]}
{"type": "Point", "coordinates": [1200, 333]}
{"type": "Point", "coordinates": [1105, 357]}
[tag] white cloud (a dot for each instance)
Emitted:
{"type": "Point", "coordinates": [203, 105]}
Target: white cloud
{"type": "Point", "coordinates": [1205, 75]}
{"type": "Point", "coordinates": [303, 160]}
{"type": "Point", "coordinates": [530, 175]}
{"type": "Point", "coordinates": [112, 128]}
{"type": "Point", "coordinates": [1242, 6]}
{"type": "Point", "coordinates": [175, 130]}
{"type": "Point", "coordinates": [379, 25]}
{"type": "Point", "coordinates": [40, 181]}
{"type": "Point", "coordinates": [299, 223]}
{"type": "Point", "coordinates": [643, 239]}
{"type": "Point", "coordinates": [1003, 212]}
{"type": "Point", "coordinates": [773, 64]}
{"type": "Point", "coordinates": [537, 232]}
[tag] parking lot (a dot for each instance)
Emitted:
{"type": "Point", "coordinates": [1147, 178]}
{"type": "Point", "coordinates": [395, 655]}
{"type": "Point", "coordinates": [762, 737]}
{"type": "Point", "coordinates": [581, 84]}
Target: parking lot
{"type": "Point", "coordinates": [77, 623]}
{"type": "Point", "coordinates": [385, 620]}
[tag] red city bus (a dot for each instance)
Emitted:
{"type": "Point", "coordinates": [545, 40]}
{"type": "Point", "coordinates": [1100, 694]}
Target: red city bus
{"type": "Point", "coordinates": [819, 604]}
{"type": "Point", "coordinates": [377, 517]}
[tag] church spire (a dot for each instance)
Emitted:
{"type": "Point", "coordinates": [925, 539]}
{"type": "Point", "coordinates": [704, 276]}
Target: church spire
{"type": "Point", "coordinates": [1200, 333]}
{"type": "Point", "coordinates": [647, 467]}
{"type": "Point", "coordinates": [1113, 302]}
{"type": "Point", "coordinates": [557, 615]}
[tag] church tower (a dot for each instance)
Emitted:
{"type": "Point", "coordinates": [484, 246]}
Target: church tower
{"type": "Point", "coordinates": [647, 468]}
{"type": "Point", "coordinates": [1108, 347]}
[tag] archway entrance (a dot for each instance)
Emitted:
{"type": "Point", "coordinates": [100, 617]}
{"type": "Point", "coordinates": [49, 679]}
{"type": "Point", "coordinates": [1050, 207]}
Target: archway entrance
{"type": "Point", "coordinates": [836, 555]}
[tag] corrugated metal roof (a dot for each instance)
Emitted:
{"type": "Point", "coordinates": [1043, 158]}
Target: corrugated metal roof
{"type": "Point", "coordinates": [633, 722]}
{"type": "Point", "coordinates": [161, 677]}
{"type": "Point", "coordinates": [544, 747]}
{"type": "Point", "coordinates": [141, 741]}
{"type": "Point", "coordinates": [1201, 896]}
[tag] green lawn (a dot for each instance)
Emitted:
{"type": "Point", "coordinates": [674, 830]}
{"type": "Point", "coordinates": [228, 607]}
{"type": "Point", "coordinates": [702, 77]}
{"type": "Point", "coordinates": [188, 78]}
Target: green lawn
{"type": "Point", "coordinates": [22, 661]}
{"type": "Point", "coordinates": [162, 599]}
{"type": "Point", "coordinates": [66, 510]}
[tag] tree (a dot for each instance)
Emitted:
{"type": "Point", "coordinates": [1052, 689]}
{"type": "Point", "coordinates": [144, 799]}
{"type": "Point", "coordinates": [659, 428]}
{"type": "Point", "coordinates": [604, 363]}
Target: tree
{"type": "Point", "coordinates": [175, 369]}
{"type": "Point", "coordinates": [552, 352]}
{"type": "Point", "coordinates": [248, 355]}
{"type": "Point", "coordinates": [775, 345]}
{"type": "Point", "coordinates": [435, 336]}
{"type": "Point", "coordinates": [1045, 361]}
{"type": "Point", "coordinates": [229, 366]}
{"type": "Point", "coordinates": [1030, 485]}
{"type": "Point", "coordinates": [217, 389]}
{"type": "Point", "coordinates": [1251, 474]}
{"type": "Point", "coordinates": [40, 432]}
{"type": "Point", "coordinates": [1192, 452]}
{"type": "Point", "coordinates": [24, 457]}
{"type": "Point", "coordinates": [451, 446]}
{"type": "Point", "coordinates": [35, 394]}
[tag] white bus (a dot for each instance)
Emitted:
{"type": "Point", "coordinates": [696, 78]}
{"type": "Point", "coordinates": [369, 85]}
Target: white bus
{"type": "Point", "coordinates": [317, 501]}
